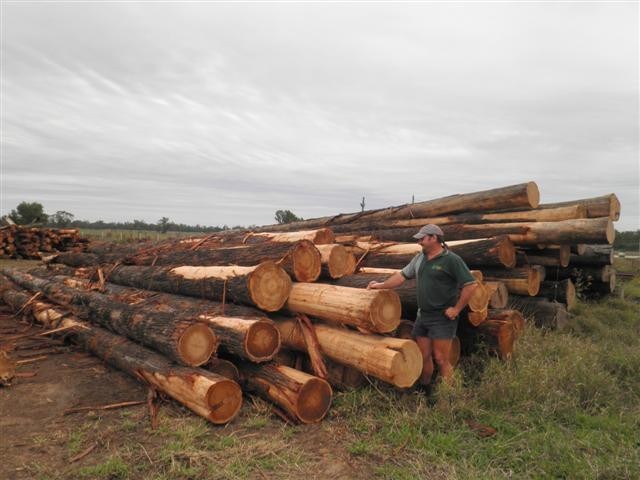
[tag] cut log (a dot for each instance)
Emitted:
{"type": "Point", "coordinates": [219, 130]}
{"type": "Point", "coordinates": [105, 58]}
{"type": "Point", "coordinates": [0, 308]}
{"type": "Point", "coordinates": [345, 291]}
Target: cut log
{"type": "Point", "coordinates": [373, 310]}
{"type": "Point", "coordinates": [525, 195]}
{"type": "Point", "coordinates": [513, 316]}
{"type": "Point", "coordinates": [265, 286]}
{"type": "Point", "coordinates": [209, 395]}
{"type": "Point", "coordinates": [499, 336]}
{"type": "Point", "coordinates": [548, 257]}
{"type": "Point", "coordinates": [520, 281]}
{"type": "Point", "coordinates": [498, 251]}
{"type": "Point", "coordinates": [336, 260]}
{"type": "Point", "coordinates": [477, 318]}
{"type": "Point", "coordinates": [393, 360]}
{"type": "Point", "coordinates": [604, 206]}
{"type": "Point", "coordinates": [563, 291]}
{"type": "Point", "coordinates": [80, 259]}
{"type": "Point", "coordinates": [182, 338]}
{"type": "Point", "coordinates": [498, 294]}
{"type": "Point", "coordinates": [593, 255]}
{"type": "Point", "coordinates": [320, 236]}
{"type": "Point", "coordinates": [303, 396]}
{"type": "Point", "coordinates": [545, 313]}
{"type": "Point", "coordinates": [301, 260]}
{"type": "Point", "coordinates": [224, 368]}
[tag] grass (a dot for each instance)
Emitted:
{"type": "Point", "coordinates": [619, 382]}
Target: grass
{"type": "Point", "coordinates": [123, 236]}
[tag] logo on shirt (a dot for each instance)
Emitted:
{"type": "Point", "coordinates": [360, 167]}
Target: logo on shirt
{"type": "Point", "coordinates": [436, 267]}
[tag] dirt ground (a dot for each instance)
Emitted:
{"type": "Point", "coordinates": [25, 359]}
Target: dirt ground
{"type": "Point", "coordinates": [38, 440]}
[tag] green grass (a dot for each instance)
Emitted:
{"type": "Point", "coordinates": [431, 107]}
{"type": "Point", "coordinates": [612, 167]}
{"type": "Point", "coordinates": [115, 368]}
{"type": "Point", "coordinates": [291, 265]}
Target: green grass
{"type": "Point", "coordinates": [124, 236]}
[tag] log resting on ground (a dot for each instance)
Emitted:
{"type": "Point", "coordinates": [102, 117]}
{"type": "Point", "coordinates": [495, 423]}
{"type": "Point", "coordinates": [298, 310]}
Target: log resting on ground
{"type": "Point", "coordinates": [498, 294]}
{"type": "Point", "coordinates": [545, 313]}
{"type": "Point", "coordinates": [562, 291]}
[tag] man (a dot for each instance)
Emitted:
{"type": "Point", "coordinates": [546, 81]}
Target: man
{"type": "Point", "coordinates": [444, 286]}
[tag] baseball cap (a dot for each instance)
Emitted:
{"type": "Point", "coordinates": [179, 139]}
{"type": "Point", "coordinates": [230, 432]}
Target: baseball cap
{"type": "Point", "coordinates": [429, 229]}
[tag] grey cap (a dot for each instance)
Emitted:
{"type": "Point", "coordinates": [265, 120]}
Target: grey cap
{"type": "Point", "coordinates": [429, 229]}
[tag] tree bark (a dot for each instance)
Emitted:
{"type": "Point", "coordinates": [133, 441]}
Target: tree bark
{"type": "Point", "coordinates": [520, 281]}
{"type": "Point", "coordinates": [393, 360]}
{"type": "Point", "coordinates": [545, 313]}
{"type": "Point", "coordinates": [513, 316]}
{"type": "Point", "coordinates": [301, 260]}
{"type": "Point", "coordinates": [265, 286]}
{"type": "Point", "coordinates": [304, 397]}
{"type": "Point", "coordinates": [604, 206]}
{"type": "Point", "coordinates": [209, 395]}
{"type": "Point", "coordinates": [182, 338]}
{"type": "Point", "coordinates": [547, 257]}
{"type": "Point", "coordinates": [593, 255]}
{"type": "Point", "coordinates": [500, 337]}
{"type": "Point", "coordinates": [563, 291]}
{"type": "Point", "coordinates": [372, 310]}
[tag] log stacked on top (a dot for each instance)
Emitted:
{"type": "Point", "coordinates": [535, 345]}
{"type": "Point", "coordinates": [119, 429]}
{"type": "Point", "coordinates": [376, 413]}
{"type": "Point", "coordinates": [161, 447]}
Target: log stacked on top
{"type": "Point", "coordinates": [244, 296]}
{"type": "Point", "coordinates": [31, 242]}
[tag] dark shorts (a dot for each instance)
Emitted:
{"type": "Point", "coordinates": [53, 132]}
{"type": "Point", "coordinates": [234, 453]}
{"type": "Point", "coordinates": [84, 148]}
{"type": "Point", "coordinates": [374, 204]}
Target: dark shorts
{"type": "Point", "coordinates": [434, 325]}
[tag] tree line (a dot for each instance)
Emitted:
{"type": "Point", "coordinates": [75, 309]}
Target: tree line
{"type": "Point", "coordinates": [32, 213]}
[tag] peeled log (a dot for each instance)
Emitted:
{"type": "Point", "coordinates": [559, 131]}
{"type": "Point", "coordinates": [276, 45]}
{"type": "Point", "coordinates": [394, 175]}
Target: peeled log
{"type": "Point", "coordinates": [525, 195]}
{"type": "Point", "coordinates": [265, 286]}
{"type": "Point", "coordinates": [589, 230]}
{"type": "Point", "coordinates": [302, 396]}
{"type": "Point", "coordinates": [593, 255]}
{"type": "Point", "coordinates": [336, 260]}
{"type": "Point", "coordinates": [498, 294]}
{"type": "Point", "coordinates": [513, 316]}
{"type": "Point", "coordinates": [563, 291]}
{"type": "Point", "coordinates": [500, 337]}
{"type": "Point", "coordinates": [520, 281]}
{"type": "Point", "coordinates": [604, 206]}
{"type": "Point", "coordinates": [301, 260]}
{"type": "Point", "coordinates": [544, 313]}
{"type": "Point", "coordinates": [393, 360]}
{"type": "Point", "coordinates": [209, 395]}
{"type": "Point", "coordinates": [373, 310]}
{"type": "Point", "coordinates": [182, 338]}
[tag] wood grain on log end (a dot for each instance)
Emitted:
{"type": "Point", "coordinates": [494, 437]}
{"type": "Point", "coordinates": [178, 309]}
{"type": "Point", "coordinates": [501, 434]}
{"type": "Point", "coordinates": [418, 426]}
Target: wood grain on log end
{"type": "Point", "coordinates": [196, 344]}
{"type": "Point", "coordinates": [224, 399]}
{"type": "Point", "coordinates": [479, 299]}
{"type": "Point", "coordinates": [262, 341]}
{"type": "Point", "coordinates": [224, 368]}
{"type": "Point", "coordinates": [533, 194]}
{"type": "Point", "coordinates": [385, 311]}
{"type": "Point", "coordinates": [407, 366]}
{"type": "Point", "coordinates": [337, 261]}
{"type": "Point", "coordinates": [611, 232]}
{"type": "Point", "coordinates": [314, 400]}
{"type": "Point", "coordinates": [307, 263]}
{"type": "Point", "coordinates": [269, 286]}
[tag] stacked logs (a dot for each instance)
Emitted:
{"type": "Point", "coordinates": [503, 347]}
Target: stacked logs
{"type": "Point", "coordinates": [32, 242]}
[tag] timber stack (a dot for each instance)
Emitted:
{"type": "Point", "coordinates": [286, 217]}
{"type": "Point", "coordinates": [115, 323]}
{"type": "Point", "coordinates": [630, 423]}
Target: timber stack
{"type": "Point", "coordinates": [282, 311]}
{"type": "Point", "coordinates": [18, 241]}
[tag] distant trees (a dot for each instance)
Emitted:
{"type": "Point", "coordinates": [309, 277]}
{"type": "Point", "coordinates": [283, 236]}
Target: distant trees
{"type": "Point", "coordinates": [61, 219]}
{"type": "Point", "coordinates": [286, 216]}
{"type": "Point", "coordinates": [629, 241]}
{"type": "Point", "coordinates": [27, 212]}
{"type": "Point", "coordinates": [164, 224]}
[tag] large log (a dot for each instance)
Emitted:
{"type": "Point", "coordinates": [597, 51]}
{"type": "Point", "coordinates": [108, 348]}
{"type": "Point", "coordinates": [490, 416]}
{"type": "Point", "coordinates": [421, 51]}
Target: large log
{"type": "Point", "coordinates": [301, 260]}
{"type": "Point", "coordinates": [242, 331]}
{"type": "Point", "coordinates": [525, 195]}
{"type": "Point", "coordinates": [265, 286]}
{"type": "Point", "coordinates": [304, 397]}
{"type": "Point", "coordinates": [80, 259]}
{"type": "Point", "coordinates": [182, 338]}
{"type": "Point", "coordinates": [513, 316]}
{"type": "Point", "coordinates": [209, 395]}
{"type": "Point", "coordinates": [336, 260]}
{"type": "Point", "coordinates": [537, 215]}
{"type": "Point", "coordinates": [321, 236]}
{"type": "Point", "coordinates": [545, 313]}
{"type": "Point", "coordinates": [604, 206]}
{"type": "Point", "coordinates": [393, 360]}
{"type": "Point", "coordinates": [588, 230]}
{"type": "Point", "coordinates": [372, 310]}
{"type": "Point", "coordinates": [500, 336]}
{"type": "Point", "coordinates": [562, 291]}
{"type": "Point", "coordinates": [547, 257]}
{"type": "Point", "coordinates": [498, 251]}
{"type": "Point", "coordinates": [593, 255]}
{"type": "Point", "coordinates": [521, 281]}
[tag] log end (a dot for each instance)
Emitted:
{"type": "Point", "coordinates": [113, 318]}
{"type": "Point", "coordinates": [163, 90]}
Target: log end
{"type": "Point", "coordinates": [324, 236]}
{"type": "Point", "coordinates": [262, 341]}
{"type": "Point", "coordinates": [385, 311]}
{"type": "Point", "coordinates": [477, 318]}
{"type": "Point", "coordinates": [614, 207]}
{"type": "Point", "coordinates": [224, 399]}
{"type": "Point", "coordinates": [196, 345]}
{"type": "Point", "coordinates": [314, 400]}
{"type": "Point", "coordinates": [269, 286]}
{"type": "Point", "coordinates": [406, 367]}
{"type": "Point", "coordinates": [564, 255]}
{"type": "Point", "coordinates": [611, 232]}
{"type": "Point", "coordinates": [224, 368]}
{"type": "Point", "coordinates": [507, 252]}
{"type": "Point", "coordinates": [533, 194]}
{"type": "Point", "coordinates": [307, 264]}
{"type": "Point", "coordinates": [479, 299]}
{"type": "Point", "coordinates": [338, 260]}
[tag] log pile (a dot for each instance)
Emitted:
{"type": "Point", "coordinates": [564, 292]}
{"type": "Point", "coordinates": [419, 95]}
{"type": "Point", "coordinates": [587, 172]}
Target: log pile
{"type": "Point", "coordinates": [283, 311]}
{"type": "Point", "coordinates": [17, 241]}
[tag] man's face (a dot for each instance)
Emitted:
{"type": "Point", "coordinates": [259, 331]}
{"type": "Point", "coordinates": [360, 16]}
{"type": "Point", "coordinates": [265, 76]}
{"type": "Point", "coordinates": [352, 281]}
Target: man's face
{"type": "Point", "coordinates": [427, 241]}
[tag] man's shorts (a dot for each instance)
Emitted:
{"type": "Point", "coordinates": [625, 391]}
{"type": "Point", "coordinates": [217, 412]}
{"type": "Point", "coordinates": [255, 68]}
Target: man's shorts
{"type": "Point", "coordinates": [434, 325]}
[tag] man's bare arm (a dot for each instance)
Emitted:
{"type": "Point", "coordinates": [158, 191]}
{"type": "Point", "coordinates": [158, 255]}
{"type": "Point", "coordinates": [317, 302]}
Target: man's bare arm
{"type": "Point", "coordinates": [393, 281]}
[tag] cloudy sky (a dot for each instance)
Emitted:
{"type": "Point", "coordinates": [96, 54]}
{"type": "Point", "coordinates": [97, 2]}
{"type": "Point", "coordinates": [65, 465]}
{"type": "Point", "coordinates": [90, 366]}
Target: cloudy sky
{"type": "Point", "coordinates": [221, 113]}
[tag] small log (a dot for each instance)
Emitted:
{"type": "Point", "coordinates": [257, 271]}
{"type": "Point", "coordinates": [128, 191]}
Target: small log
{"type": "Point", "coordinates": [521, 281]}
{"type": "Point", "coordinates": [498, 294]}
{"type": "Point", "coordinates": [336, 261]}
{"type": "Point", "coordinates": [545, 313]}
{"type": "Point", "coordinates": [604, 206]}
{"type": "Point", "coordinates": [477, 318]}
{"type": "Point", "coordinates": [593, 255]}
{"type": "Point", "coordinates": [513, 316]}
{"type": "Point", "coordinates": [303, 396]}
{"type": "Point", "coordinates": [373, 310]}
{"type": "Point", "coordinates": [265, 286]}
{"type": "Point", "coordinates": [393, 360]}
{"type": "Point", "coordinates": [499, 336]}
{"type": "Point", "coordinates": [562, 291]}
{"type": "Point", "coordinates": [548, 257]}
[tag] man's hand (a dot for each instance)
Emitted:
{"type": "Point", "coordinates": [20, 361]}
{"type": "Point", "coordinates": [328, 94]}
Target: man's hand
{"type": "Point", "coordinates": [373, 285]}
{"type": "Point", "coordinates": [451, 313]}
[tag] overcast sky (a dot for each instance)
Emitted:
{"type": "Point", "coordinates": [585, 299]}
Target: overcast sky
{"type": "Point", "coordinates": [220, 113]}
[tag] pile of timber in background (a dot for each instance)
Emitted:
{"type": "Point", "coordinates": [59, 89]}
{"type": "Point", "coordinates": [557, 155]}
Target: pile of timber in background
{"type": "Point", "coordinates": [17, 241]}
{"type": "Point", "coordinates": [514, 245]}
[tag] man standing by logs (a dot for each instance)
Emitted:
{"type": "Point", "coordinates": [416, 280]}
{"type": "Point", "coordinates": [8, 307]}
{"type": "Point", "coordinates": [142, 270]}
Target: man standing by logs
{"type": "Point", "coordinates": [444, 286]}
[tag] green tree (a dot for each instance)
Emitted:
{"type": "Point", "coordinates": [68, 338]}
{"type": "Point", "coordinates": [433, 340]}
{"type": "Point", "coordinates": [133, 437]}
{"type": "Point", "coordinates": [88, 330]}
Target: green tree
{"type": "Point", "coordinates": [61, 219]}
{"type": "Point", "coordinates": [26, 213]}
{"type": "Point", "coordinates": [286, 216]}
{"type": "Point", "coordinates": [164, 224]}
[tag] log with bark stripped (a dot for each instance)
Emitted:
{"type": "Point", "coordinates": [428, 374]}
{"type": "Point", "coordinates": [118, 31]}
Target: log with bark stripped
{"type": "Point", "coordinates": [209, 395]}
{"type": "Point", "coordinates": [304, 397]}
{"type": "Point", "coordinates": [393, 360]}
{"type": "Point", "coordinates": [265, 286]}
{"type": "Point", "coordinates": [181, 337]}
{"type": "Point", "coordinates": [521, 281]}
